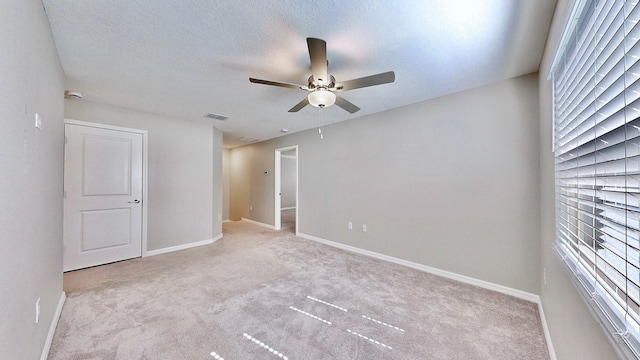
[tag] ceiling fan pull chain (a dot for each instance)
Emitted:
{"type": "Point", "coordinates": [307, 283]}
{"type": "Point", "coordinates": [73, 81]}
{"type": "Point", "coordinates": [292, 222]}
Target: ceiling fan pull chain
{"type": "Point", "coordinates": [320, 124]}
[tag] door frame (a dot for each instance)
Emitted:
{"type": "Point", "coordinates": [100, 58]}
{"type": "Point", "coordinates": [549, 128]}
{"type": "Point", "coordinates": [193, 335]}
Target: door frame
{"type": "Point", "coordinates": [278, 184]}
{"type": "Point", "coordinates": [145, 162]}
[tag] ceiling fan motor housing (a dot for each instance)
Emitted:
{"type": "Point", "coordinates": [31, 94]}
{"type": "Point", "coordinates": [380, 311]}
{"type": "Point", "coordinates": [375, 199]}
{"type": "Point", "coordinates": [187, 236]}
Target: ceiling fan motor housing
{"type": "Point", "coordinates": [315, 83]}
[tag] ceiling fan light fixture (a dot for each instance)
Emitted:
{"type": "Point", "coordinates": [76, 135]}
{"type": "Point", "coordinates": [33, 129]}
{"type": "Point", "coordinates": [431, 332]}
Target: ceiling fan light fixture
{"type": "Point", "coordinates": [321, 98]}
{"type": "Point", "coordinates": [321, 84]}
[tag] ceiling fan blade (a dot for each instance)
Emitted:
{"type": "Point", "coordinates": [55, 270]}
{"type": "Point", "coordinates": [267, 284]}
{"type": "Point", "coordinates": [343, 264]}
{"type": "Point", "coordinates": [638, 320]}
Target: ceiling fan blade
{"type": "Point", "coordinates": [276, 83]}
{"type": "Point", "coordinates": [340, 101]}
{"type": "Point", "coordinates": [378, 79]}
{"type": "Point", "coordinates": [300, 105]}
{"type": "Point", "coordinates": [318, 56]}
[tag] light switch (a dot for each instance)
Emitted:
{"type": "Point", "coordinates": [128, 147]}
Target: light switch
{"type": "Point", "coordinates": [38, 311]}
{"type": "Point", "coordinates": [38, 121]}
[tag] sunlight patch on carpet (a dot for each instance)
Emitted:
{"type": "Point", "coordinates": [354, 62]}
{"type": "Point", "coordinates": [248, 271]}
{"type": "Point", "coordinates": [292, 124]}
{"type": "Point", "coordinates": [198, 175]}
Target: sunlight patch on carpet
{"type": "Point", "coordinates": [310, 315]}
{"type": "Point", "coordinates": [265, 346]}
{"type": "Point", "coordinates": [370, 339]}
{"type": "Point", "coordinates": [216, 356]}
{"type": "Point", "coordinates": [382, 323]}
{"type": "Point", "coordinates": [327, 303]}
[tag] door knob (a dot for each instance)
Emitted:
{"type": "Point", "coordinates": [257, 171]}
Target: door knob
{"type": "Point", "coordinates": [136, 201]}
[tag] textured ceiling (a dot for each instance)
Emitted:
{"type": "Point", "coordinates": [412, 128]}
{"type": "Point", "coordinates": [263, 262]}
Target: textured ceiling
{"type": "Point", "coordinates": [187, 58]}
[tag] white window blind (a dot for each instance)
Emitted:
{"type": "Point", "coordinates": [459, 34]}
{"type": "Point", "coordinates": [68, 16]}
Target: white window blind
{"type": "Point", "coordinates": [597, 157]}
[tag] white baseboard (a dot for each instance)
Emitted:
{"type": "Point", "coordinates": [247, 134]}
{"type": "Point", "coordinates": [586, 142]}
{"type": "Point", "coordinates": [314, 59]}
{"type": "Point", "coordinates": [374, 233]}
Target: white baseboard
{"type": "Point", "coordinates": [182, 247]}
{"type": "Point", "coordinates": [226, 221]}
{"type": "Point", "coordinates": [52, 327]}
{"type": "Point", "coordinates": [288, 208]}
{"type": "Point", "coordinates": [447, 274]}
{"type": "Point", "coordinates": [545, 328]}
{"type": "Point", "coordinates": [259, 223]}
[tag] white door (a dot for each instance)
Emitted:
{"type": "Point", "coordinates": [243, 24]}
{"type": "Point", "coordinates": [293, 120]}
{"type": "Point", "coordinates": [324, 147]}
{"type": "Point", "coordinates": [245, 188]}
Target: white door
{"type": "Point", "coordinates": [103, 196]}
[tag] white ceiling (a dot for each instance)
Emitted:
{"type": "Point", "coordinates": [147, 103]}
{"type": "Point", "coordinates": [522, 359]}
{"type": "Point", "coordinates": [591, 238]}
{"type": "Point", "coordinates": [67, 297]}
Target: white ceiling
{"type": "Point", "coordinates": [187, 58]}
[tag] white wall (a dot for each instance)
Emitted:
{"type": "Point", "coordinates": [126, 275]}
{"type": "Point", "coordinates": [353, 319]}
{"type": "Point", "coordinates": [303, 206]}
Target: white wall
{"type": "Point", "coordinates": [575, 333]}
{"type": "Point", "coordinates": [185, 172]}
{"type": "Point", "coordinates": [450, 183]}
{"type": "Point", "coordinates": [31, 81]}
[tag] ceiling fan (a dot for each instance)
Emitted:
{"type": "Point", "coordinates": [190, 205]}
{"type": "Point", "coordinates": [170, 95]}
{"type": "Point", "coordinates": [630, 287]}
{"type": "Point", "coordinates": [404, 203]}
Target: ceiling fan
{"type": "Point", "coordinates": [322, 86]}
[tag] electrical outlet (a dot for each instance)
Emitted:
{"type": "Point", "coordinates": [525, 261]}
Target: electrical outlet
{"type": "Point", "coordinates": [544, 275]}
{"type": "Point", "coordinates": [38, 311]}
{"type": "Point", "coordinates": [349, 225]}
{"type": "Point", "coordinates": [364, 227]}
{"type": "Point", "coordinates": [219, 217]}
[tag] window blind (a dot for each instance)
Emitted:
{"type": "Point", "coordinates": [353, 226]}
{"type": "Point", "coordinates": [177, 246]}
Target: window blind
{"type": "Point", "coordinates": [597, 158]}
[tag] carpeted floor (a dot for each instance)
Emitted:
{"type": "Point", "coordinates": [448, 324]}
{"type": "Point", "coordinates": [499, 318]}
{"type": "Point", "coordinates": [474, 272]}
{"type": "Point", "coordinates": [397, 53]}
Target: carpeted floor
{"type": "Point", "coordinates": [262, 294]}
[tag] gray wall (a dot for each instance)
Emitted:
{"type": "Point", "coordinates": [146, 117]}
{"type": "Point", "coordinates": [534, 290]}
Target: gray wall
{"type": "Point", "coordinates": [30, 178]}
{"type": "Point", "coordinates": [575, 333]}
{"type": "Point", "coordinates": [218, 183]}
{"type": "Point", "coordinates": [288, 181]}
{"type": "Point", "coordinates": [450, 183]}
{"type": "Point", "coordinates": [225, 184]}
{"type": "Point", "coordinates": [240, 177]}
{"type": "Point", "coordinates": [185, 168]}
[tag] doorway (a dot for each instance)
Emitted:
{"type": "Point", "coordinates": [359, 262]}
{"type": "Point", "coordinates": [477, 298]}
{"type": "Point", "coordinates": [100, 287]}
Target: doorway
{"type": "Point", "coordinates": [104, 194]}
{"type": "Point", "coordinates": [286, 189]}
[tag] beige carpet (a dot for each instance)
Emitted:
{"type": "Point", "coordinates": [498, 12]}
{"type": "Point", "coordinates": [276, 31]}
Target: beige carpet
{"type": "Point", "coordinates": [262, 294]}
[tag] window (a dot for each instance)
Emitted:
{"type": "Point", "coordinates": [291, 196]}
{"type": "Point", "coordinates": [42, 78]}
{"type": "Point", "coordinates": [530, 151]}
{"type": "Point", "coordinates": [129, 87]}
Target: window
{"type": "Point", "coordinates": [597, 156]}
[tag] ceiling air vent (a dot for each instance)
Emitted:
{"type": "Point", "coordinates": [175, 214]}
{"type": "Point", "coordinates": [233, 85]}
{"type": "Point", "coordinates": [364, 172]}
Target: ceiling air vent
{"type": "Point", "coordinates": [217, 117]}
{"type": "Point", "coordinates": [247, 139]}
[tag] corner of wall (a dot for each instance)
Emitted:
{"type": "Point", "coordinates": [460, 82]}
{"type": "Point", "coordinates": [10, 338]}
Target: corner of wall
{"type": "Point", "coordinates": [31, 182]}
{"type": "Point", "coordinates": [53, 326]}
{"type": "Point", "coordinates": [573, 330]}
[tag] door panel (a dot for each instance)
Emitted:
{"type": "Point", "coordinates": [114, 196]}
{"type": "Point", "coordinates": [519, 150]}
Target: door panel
{"type": "Point", "coordinates": [103, 229]}
{"type": "Point", "coordinates": [106, 155]}
{"type": "Point", "coordinates": [103, 196]}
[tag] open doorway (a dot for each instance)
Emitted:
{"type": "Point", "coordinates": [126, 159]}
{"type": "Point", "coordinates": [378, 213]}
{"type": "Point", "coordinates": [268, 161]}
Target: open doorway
{"type": "Point", "coordinates": [286, 189]}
